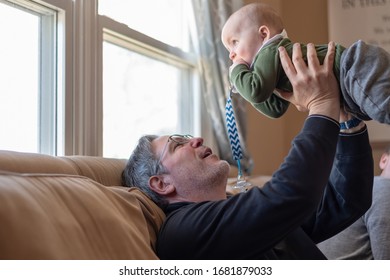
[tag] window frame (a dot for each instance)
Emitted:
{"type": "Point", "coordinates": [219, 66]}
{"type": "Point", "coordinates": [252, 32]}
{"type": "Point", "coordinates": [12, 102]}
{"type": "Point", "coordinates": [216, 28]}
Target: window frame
{"type": "Point", "coordinates": [121, 35]}
{"type": "Point", "coordinates": [90, 31]}
{"type": "Point", "coordinates": [76, 75]}
{"type": "Point", "coordinates": [47, 91]}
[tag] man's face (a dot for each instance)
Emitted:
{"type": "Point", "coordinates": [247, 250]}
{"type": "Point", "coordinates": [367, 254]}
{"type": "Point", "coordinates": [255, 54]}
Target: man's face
{"type": "Point", "coordinates": [195, 172]}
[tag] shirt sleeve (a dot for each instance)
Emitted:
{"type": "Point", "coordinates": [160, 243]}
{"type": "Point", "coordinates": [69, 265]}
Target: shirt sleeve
{"type": "Point", "coordinates": [257, 83]}
{"type": "Point", "coordinates": [348, 194]}
{"type": "Point", "coordinates": [274, 107]}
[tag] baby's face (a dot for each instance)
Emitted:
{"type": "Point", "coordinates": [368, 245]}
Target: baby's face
{"type": "Point", "coordinates": [241, 41]}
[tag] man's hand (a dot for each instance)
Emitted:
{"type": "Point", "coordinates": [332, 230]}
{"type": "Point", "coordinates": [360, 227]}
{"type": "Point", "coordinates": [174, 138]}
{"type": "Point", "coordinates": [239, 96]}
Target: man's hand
{"type": "Point", "coordinates": [315, 87]}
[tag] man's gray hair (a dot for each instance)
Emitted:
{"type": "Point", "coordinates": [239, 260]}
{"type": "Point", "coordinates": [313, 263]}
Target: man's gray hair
{"type": "Point", "coordinates": [141, 165]}
{"type": "Point", "coordinates": [387, 149]}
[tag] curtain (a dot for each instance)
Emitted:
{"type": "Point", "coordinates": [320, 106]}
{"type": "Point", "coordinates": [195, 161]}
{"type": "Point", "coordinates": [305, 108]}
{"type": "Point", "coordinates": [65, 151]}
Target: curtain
{"type": "Point", "coordinates": [209, 18]}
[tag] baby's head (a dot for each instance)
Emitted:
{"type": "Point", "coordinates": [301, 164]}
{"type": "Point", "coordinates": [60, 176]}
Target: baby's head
{"type": "Point", "coordinates": [248, 29]}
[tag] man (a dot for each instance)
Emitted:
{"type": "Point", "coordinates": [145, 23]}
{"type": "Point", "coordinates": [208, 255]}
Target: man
{"type": "Point", "coordinates": [369, 237]}
{"type": "Point", "coordinates": [308, 199]}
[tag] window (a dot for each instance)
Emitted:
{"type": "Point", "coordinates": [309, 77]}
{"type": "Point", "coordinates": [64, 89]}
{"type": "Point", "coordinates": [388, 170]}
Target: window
{"type": "Point", "coordinates": [140, 96]}
{"type": "Point", "coordinates": [27, 87]}
{"type": "Point", "coordinates": [165, 21]}
{"type": "Point", "coordinates": [146, 81]}
{"type": "Point", "coordinates": [90, 77]}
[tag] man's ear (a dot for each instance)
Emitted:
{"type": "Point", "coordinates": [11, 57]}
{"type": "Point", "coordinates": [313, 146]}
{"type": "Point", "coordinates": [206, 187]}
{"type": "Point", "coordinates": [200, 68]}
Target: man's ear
{"type": "Point", "coordinates": [264, 32]}
{"type": "Point", "coordinates": [383, 161]}
{"type": "Point", "coordinates": [157, 184]}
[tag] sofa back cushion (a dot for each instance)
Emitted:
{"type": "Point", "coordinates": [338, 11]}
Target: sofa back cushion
{"type": "Point", "coordinates": [35, 163]}
{"type": "Point", "coordinates": [54, 216]}
{"type": "Point", "coordinates": [106, 171]}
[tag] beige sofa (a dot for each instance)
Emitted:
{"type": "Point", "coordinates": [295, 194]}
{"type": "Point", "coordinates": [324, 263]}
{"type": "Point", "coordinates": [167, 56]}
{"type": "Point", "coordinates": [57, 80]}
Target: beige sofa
{"type": "Point", "coordinates": [72, 207]}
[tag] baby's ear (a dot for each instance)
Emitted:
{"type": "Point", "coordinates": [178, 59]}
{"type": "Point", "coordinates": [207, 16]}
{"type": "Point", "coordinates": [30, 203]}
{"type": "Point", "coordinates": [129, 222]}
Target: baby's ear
{"type": "Point", "coordinates": [264, 32]}
{"type": "Point", "coordinates": [157, 184]}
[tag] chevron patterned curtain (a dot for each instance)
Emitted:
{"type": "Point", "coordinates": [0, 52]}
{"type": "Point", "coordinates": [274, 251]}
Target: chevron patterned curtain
{"type": "Point", "coordinates": [210, 16]}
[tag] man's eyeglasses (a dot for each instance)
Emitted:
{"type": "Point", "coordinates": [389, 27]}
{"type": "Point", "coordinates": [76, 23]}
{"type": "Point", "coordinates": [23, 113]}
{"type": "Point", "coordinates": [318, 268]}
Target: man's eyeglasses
{"type": "Point", "coordinates": [176, 138]}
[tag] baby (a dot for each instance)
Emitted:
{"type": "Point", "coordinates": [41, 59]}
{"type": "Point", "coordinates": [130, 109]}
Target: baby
{"type": "Point", "coordinates": [253, 34]}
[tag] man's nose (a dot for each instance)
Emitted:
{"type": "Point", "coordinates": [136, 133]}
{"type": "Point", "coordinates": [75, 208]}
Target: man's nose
{"type": "Point", "coordinates": [196, 142]}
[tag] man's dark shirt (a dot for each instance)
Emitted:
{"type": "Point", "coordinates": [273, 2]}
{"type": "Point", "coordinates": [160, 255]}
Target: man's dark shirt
{"type": "Point", "coordinates": [300, 206]}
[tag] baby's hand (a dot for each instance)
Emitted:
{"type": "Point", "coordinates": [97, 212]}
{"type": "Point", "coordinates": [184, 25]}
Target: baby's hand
{"type": "Point", "coordinates": [239, 61]}
{"type": "Point", "coordinates": [236, 62]}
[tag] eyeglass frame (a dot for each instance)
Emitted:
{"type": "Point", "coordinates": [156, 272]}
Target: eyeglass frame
{"type": "Point", "coordinates": [186, 138]}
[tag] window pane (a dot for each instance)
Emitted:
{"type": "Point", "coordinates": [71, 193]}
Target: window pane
{"type": "Point", "coordinates": [163, 20]}
{"type": "Point", "coordinates": [19, 79]}
{"type": "Point", "coordinates": [140, 96]}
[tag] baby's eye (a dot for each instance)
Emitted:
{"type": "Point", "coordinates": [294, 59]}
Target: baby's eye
{"type": "Point", "coordinates": [234, 42]}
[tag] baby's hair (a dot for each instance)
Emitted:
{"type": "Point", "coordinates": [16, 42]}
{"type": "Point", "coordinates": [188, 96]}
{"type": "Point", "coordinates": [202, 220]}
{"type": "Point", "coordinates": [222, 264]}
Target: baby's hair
{"type": "Point", "coordinates": [263, 14]}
